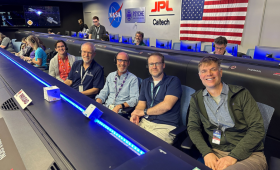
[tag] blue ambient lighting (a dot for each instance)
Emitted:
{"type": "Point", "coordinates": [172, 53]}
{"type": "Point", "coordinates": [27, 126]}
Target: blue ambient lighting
{"type": "Point", "coordinates": [135, 148]}
{"type": "Point", "coordinates": [123, 139]}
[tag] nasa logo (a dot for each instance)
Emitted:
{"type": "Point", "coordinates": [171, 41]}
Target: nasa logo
{"type": "Point", "coordinates": [128, 15]}
{"type": "Point", "coordinates": [115, 14]}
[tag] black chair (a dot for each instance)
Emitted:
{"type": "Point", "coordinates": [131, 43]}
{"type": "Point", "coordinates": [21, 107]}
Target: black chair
{"type": "Point", "coordinates": [180, 132]}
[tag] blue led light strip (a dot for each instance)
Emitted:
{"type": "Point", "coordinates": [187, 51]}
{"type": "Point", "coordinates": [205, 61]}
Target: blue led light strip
{"type": "Point", "coordinates": [113, 132]}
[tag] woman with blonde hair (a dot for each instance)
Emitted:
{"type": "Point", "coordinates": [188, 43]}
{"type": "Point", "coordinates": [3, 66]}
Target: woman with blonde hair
{"type": "Point", "coordinates": [6, 43]}
{"type": "Point", "coordinates": [40, 58]}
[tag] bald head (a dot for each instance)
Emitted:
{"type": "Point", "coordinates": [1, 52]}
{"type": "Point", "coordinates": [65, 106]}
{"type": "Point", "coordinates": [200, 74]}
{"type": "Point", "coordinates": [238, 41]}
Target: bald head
{"type": "Point", "coordinates": [90, 45]}
{"type": "Point", "coordinates": [123, 54]}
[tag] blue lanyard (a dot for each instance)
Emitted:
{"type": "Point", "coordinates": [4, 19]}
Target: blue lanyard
{"type": "Point", "coordinates": [152, 93]}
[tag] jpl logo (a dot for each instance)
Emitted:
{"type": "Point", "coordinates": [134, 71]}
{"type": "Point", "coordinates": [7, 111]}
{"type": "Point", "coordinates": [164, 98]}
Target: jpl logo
{"type": "Point", "coordinates": [115, 14]}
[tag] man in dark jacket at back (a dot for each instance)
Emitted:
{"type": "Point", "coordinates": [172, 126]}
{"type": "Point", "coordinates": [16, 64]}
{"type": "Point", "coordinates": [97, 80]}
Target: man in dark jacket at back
{"type": "Point", "coordinates": [231, 119]}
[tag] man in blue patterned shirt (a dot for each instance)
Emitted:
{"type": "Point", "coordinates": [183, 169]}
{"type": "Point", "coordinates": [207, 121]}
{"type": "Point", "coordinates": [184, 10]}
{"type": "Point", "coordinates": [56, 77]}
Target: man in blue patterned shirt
{"type": "Point", "coordinates": [121, 89]}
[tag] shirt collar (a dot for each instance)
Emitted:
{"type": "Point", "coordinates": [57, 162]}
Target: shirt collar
{"type": "Point", "coordinates": [225, 90]}
{"type": "Point", "coordinates": [162, 80]}
{"type": "Point", "coordinates": [127, 72]}
{"type": "Point", "coordinates": [91, 64]}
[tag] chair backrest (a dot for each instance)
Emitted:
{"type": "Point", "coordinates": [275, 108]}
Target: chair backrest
{"type": "Point", "coordinates": [267, 112]}
{"type": "Point", "coordinates": [176, 46]}
{"type": "Point", "coordinates": [14, 40]}
{"type": "Point", "coordinates": [16, 46]}
{"type": "Point", "coordinates": [146, 41]}
{"type": "Point", "coordinates": [250, 52]}
{"type": "Point", "coordinates": [185, 102]}
{"type": "Point", "coordinates": [208, 48]}
{"type": "Point", "coordinates": [139, 82]}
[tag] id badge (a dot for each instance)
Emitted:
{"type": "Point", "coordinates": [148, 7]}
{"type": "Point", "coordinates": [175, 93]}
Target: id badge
{"type": "Point", "coordinates": [97, 37]}
{"type": "Point", "coordinates": [111, 107]}
{"type": "Point", "coordinates": [216, 137]}
{"type": "Point", "coordinates": [81, 88]}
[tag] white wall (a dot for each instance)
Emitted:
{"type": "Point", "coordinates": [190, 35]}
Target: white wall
{"type": "Point", "coordinates": [251, 34]}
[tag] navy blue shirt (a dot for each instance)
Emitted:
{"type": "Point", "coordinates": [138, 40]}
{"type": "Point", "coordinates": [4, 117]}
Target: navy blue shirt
{"type": "Point", "coordinates": [169, 85]}
{"type": "Point", "coordinates": [94, 77]}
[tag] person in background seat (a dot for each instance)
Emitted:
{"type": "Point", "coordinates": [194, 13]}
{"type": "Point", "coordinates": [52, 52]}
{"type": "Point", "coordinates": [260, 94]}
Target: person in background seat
{"type": "Point", "coordinates": [220, 46]}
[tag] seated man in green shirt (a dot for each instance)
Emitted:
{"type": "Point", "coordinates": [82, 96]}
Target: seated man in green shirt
{"type": "Point", "coordinates": [139, 38]}
{"type": "Point", "coordinates": [231, 119]}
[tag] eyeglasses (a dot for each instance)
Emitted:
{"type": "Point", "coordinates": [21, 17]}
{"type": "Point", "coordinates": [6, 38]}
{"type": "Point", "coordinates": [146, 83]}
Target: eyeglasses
{"type": "Point", "coordinates": [95, 21]}
{"type": "Point", "coordinates": [156, 64]}
{"type": "Point", "coordinates": [120, 61]}
{"type": "Point", "coordinates": [222, 48]}
{"type": "Point", "coordinates": [89, 53]}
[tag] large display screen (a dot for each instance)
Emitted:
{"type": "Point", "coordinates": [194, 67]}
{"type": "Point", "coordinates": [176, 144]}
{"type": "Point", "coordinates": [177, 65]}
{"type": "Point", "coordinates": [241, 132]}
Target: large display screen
{"type": "Point", "coordinates": [42, 16]}
{"type": "Point", "coordinates": [12, 16]}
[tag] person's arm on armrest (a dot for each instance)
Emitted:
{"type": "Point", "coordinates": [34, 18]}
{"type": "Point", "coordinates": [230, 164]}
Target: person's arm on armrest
{"type": "Point", "coordinates": [38, 62]}
{"type": "Point", "coordinates": [104, 93]}
{"type": "Point", "coordinates": [2, 46]}
{"type": "Point", "coordinates": [90, 91]}
{"type": "Point", "coordinates": [138, 110]}
{"type": "Point", "coordinates": [52, 68]}
{"type": "Point", "coordinates": [68, 82]}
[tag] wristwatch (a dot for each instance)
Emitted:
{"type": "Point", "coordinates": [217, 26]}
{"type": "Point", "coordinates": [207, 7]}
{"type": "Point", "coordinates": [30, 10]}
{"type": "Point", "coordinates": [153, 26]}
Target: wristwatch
{"type": "Point", "coordinates": [145, 112]}
{"type": "Point", "coordinates": [123, 106]}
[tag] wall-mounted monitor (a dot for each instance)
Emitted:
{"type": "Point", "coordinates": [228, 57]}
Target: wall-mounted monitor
{"type": "Point", "coordinates": [73, 34]}
{"type": "Point", "coordinates": [114, 37]}
{"type": "Point", "coordinates": [67, 33]}
{"type": "Point", "coordinates": [12, 16]}
{"type": "Point", "coordinates": [162, 43]}
{"type": "Point", "coordinates": [146, 41]}
{"type": "Point", "coordinates": [267, 53]}
{"type": "Point", "coordinates": [126, 39]}
{"type": "Point", "coordinates": [194, 46]}
{"type": "Point", "coordinates": [42, 16]}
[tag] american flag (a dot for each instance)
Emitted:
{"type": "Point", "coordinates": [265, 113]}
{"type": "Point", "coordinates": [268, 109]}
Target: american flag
{"type": "Point", "coordinates": [205, 20]}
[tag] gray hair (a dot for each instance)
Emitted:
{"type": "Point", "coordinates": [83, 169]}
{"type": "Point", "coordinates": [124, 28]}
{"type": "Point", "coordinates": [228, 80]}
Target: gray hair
{"type": "Point", "coordinates": [90, 44]}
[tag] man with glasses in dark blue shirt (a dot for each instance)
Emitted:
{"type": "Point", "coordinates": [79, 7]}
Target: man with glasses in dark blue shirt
{"type": "Point", "coordinates": [86, 76]}
{"type": "Point", "coordinates": [159, 101]}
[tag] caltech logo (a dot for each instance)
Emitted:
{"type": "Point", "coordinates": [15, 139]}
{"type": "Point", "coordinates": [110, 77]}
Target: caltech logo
{"type": "Point", "coordinates": [128, 15]}
{"type": "Point", "coordinates": [233, 67]}
{"type": "Point", "coordinates": [161, 5]}
{"type": "Point", "coordinates": [115, 14]}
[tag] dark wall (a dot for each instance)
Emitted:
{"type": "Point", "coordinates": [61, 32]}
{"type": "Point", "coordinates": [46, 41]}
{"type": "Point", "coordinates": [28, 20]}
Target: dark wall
{"type": "Point", "coordinates": [70, 12]}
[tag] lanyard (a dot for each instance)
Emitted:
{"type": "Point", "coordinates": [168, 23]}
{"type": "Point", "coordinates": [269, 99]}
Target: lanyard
{"type": "Point", "coordinates": [117, 92]}
{"type": "Point", "coordinates": [97, 32]}
{"type": "Point", "coordinates": [83, 78]}
{"type": "Point", "coordinates": [152, 93]}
